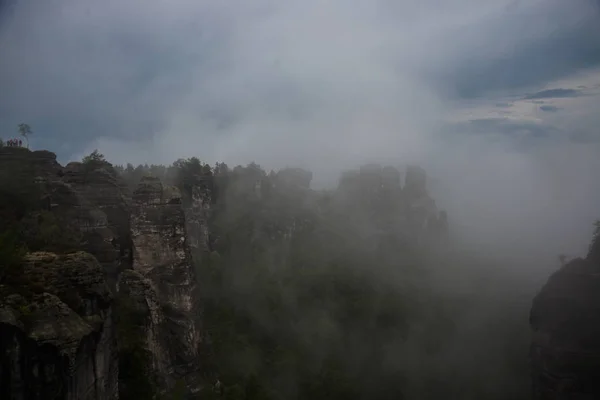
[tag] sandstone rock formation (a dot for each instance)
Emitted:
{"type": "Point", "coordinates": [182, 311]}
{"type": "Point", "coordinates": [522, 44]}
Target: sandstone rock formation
{"type": "Point", "coordinates": [141, 249]}
{"type": "Point", "coordinates": [57, 341]}
{"type": "Point", "coordinates": [142, 244]}
{"type": "Point", "coordinates": [408, 208]}
{"type": "Point", "coordinates": [565, 319]}
{"type": "Point", "coordinates": [87, 200]}
{"type": "Point", "coordinates": [163, 278]}
{"type": "Point", "coordinates": [104, 217]}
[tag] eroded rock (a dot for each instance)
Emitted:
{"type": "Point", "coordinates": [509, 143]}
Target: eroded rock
{"type": "Point", "coordinates": [58, 343]}
{"type": "Point", "coordinates": [163, 275]}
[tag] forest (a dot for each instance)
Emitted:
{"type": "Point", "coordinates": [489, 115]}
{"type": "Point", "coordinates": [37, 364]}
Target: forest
{"type": "Point", "coordinates": [357, 292]}
{"type": "Point", "coordinates": [360, 291]}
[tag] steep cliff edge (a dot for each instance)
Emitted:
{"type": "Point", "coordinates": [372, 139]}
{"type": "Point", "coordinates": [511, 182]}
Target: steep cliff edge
{"type": "Point", "coordinates": [85, 206]}
{"type": "Point", "coordinates": [56, 335]}
{"type": "Point", "coordinates": [104, 218]}
{"type": "Point", "coordinates": [262, 260]}
{"type": "Point", "coordinates": [57, 328]}
{"type": "Point", "coordinates": [163, 279]}
{"type": "Point", "coordinates": [565, 319]}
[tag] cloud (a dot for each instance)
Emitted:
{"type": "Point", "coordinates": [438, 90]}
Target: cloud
{"type": "Point", "coordinates": [553, 93]}
{"type": "Point", "coordinates": [557, 39]}
{"type": "Point", "coordinates": [549, 108]}
{"type": "Point", "coordinates": [83, 69]}
{"type": "Point", "coordinates": [319, 84]}
{"type": "Point", "coordinates": [509, 134]}
{"type": "Point", "coordinates": [509, 126]}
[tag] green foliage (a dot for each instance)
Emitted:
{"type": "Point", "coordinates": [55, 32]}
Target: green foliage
{"type": "Point", "coordinates": [182, 173]}
{"type": "Point", "coordinates": [25, 310]}
{"type": "Point", "coordinates": [26, 226]}
{"type": "Point", "coordinates": [95, 161]}
{"type": "Point", "coordinates": [306, 295]}
{"type": "Point", "coordinates": [282, 308]}
{"type": "Point", "coordinates": [25, 131]}
{"type": "Point", "coordinates": [328, 295]}
{"type": "Point", "coordinates": [94, 157]}
{"type": "Point", "coordinates": [45, 231]}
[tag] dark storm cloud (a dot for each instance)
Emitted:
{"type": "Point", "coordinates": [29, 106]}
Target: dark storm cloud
{"type": "Point", "coordinates": [557, 38]}
{"type": "Point", "coordinates": [324, 85]}
{"type": "Point", "coordinates": [549, 108]}
{"type": "Point", "coordinates": [553, 94]}
{"type": "Point", "coordinates": [78, 70]}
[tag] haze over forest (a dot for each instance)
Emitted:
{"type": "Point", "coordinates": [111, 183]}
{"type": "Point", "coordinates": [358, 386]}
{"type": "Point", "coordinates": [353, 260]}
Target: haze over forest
{"type": "Point", "coordinates": [327, 86]}
{"type": "Point", "coordinates": [497, 100]}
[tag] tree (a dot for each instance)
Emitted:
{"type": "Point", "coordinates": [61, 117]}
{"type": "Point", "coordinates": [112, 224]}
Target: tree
{"type": "Point", "coordinates": [25, 131]}
{"type": "Point", "coordinates": [94, 157]}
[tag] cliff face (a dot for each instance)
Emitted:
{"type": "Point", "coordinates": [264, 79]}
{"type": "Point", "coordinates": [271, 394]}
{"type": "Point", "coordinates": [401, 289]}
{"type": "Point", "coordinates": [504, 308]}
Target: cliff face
{"type": "Point", "coordinates": [144, 246]}
{"type": "Point", "coordinates": [405, 211]}
{"type": "Point", "coordinates": [565, 319]}
{"type": "Point", "coordinates": [164, 280]}
{"type": "Point", "coordinates": [141, 244]}
{"type": "Point", "coordinates": [87, 200]}
{"type": "Point", "coordinates": [196, 202]}
{"type": "Point", "coordinates": [104, 215]}
{"type": "Point", "coordinates": [56, 324]}
{"type": "Point", "coordinates": [59, 342]}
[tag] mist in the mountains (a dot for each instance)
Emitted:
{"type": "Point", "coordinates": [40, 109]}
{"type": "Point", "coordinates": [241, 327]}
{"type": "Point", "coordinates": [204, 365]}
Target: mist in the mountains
{"type": "Point", "coordinates": [325, 86]}
{"type": "Point", "coordinates": [331, 85]}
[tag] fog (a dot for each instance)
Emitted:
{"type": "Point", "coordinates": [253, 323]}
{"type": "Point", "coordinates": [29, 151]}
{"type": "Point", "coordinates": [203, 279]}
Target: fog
{"type": "Point", "coordinates": [328, 85]}
{"type": "Point", "coordinates": [497, 100]}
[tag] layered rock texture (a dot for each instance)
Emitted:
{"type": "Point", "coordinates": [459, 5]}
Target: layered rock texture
{"type": "Point", "coordinates": [565, 319]}
{"type": "Point", "coordinates": [58, 338]}
{"type": "Point", "coordinates": [58, 342]}
{"type": "Point", "coordinates": [104, 214]}
{"type": "Point", "coordinates": [109, 299]}
{"type": "Point", "coordinates": [110, 272]}
{"type": "Point", "coordinates": [163, 277]}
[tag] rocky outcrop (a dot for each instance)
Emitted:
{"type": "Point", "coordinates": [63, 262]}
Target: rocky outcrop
{"type": "Point", "coordinates": [197, 201]}
{"type": "Point", "coordinates": [104, 215]}
{"type": "Point", "coordinates": [90, 203]}
{"type": "Point", "coordinates": [565, 319]}
{"type": "Point", "coordinates": [25, 177]}
{"type": "Point", "coordinates": [404, 211]}
{"type": "Point", "coordinates": [163, 279]}
{"type": "Point", "coordinates": [56, 334]}
{"type": "Point", "coordinates": [19, 163]}
{"type": "Point", "coordinates": [60, 339]}
{"type": "Point", "coordinates": [87, 199]}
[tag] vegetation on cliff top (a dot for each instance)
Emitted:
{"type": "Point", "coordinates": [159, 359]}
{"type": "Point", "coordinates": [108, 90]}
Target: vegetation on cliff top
{"type": "Point", "coordinates": [310, 295]}
{"type": "Point", "coordinates": [27, 225]}
{"type": "Point", "coordinates": [328, 295]}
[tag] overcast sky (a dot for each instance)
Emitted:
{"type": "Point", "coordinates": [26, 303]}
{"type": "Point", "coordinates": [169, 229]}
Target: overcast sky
{"type": "Point", "coordinates": [497, 99]}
